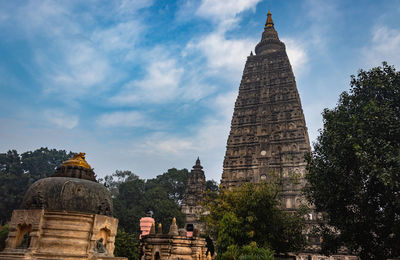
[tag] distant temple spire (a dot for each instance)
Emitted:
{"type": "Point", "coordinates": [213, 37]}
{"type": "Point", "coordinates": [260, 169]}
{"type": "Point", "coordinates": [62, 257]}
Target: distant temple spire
{"type": "Point", "coordinates": [194, 195]}
{"type": "Point", "coordinates": [269, 22]}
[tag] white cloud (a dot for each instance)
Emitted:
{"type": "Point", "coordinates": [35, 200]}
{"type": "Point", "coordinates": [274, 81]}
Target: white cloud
{"type": "Point", "coordinates": [158, 86]}
{"type": "Point", "coordinates": [124, 119]}
{"type": "Point", "coordinates": [79, 68]}
{"type": "Point", "coordinates": [384, 46]}
{"type": "Point", "coordinates": [120, 37]}
{"type": "Point", "coordinates": [132, 6]}
{"type": "Point", "coordinates": [207, 141]}
{"type": "Point", "coordinates": [222, 10]}
{"type": "Point", "coordinates": [162, 144]}
{"type": "Point", "coordinates": [166, 79]}
{"type": "Point", "coordinates": [224, 104]}
{"type": "Point", "coordinates": [297, 54]}
{"type": "Point", "coordinates": [77, 55]}
{"type": "Point", "coordinates": [225, 56]}
{"type": "Point", "coordinates": [323, 15]}
{"type": "Point", "coordinates": [61, 119]}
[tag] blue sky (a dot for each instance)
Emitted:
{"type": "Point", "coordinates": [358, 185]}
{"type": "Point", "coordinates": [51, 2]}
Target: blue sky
{"type": "Point", "coordinates": [150, 85]}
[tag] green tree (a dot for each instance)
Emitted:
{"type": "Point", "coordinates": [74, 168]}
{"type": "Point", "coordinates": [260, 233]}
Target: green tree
{"type": "Point", "coordinates": [13, 183]}
{"type": "Point", "coordinates": [42, 162]}
{"type": "Point", "coordinates": [253, 252]}
{"type": "Point", "coordinates": [212, 186]}
{"type": "Point", "coordinates": [174, 182]}
{"type": "Point", "coordinates": [354, 170]}
{"type": "Point", "coordinates": [252, 213]}
{"type": "Point", "coordinates": [128, 204]}
{"type": "Point", "coordinates": [3, 236]}
{"type": "Point", "coordinates": [126, 245]}
{"type": "Point", "coordinates": [17, 172]}
{"type": "Point", "coordinates": [133, 197]}
{"type": "Point", "coordinates": [247, 252]}
{"type": "Point", "coordinates": [112, 182]}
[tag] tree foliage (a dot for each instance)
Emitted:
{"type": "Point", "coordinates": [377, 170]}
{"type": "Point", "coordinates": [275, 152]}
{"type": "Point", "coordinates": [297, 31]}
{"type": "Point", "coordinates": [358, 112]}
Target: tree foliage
{"type": "Point", "coordinates": [126, 245]}
{"type": "Point", "coordinates": [17, 172]}
{"type": "Point", "coordinates": [247, 252]}
{"type": "Point", "coordinates": [174, 182]}
{"type": "Point", "coordinates": [354, 170]}
{"type": "Point", "coordinates": [252, 213]}
{"type": "Point", "coordinates": [212, 186]}
{"type": "Point", "coordinates": [133, 197]}
{"type": "Point", "coordinates": [3, 236]}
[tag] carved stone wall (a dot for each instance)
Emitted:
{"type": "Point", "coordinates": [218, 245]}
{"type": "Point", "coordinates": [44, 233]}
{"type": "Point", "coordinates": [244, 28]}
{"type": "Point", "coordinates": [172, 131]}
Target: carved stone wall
{"type": "Point", "coordinates": [59, 235]}
{"type": "Point", "coordinates": [174, 248]}
{"type": "Point", "coordinates": [268, 136]}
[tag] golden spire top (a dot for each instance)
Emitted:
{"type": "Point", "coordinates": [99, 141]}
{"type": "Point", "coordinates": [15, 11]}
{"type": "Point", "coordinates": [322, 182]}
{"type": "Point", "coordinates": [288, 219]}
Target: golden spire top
{"type": "Point", "coordinates": [269, 22]}
{"type": "Point", "coordinates": [77, 160]}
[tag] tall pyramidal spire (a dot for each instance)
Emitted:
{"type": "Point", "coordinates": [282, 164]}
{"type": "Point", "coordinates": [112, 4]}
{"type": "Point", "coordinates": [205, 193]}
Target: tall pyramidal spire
{"type": "Point", "coordinates": [268, 132]}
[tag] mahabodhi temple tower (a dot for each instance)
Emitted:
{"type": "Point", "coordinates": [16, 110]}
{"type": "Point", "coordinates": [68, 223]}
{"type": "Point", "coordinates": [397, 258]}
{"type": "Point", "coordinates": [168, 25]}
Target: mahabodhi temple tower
{"type": "Point", "coordinates": [268, 131]}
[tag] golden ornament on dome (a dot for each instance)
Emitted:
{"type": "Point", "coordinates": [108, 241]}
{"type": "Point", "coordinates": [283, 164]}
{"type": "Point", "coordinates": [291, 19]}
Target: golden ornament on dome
{"type": "Point", "coordinates": [77, 160]}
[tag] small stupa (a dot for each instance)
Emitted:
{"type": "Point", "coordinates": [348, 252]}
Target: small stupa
{"type": "Point", "coordinates": [65, 216]}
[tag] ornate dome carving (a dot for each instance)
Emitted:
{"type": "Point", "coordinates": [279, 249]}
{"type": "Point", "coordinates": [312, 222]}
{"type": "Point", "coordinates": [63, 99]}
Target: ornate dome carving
{"type": "Point", "coordinates": [72, 187]}
{"type": "Point", "coordinates": [68, 194]}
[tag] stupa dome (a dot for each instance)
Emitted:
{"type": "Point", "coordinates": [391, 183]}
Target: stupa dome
{"type": "Point", "coordinates": [73, 187]}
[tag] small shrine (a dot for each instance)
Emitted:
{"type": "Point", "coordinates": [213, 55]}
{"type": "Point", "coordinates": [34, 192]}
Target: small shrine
{"type": "Point", "coordinates": [65, 216]}
{"type": "Point", "coordinates": [172, 246]}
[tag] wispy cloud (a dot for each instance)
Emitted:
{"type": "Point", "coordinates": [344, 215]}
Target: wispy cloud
{"type": "Point", "coordinates": [119, 38]}
{"type": "Point", "coordinates": [208, 139]}
{"type": "Point", "coordinates": [384, 46]}
{"type": "Point", "coordinates": [79, 68]}
{"type": "Point", "coordinates": [77, 55]}
{"type": "Point", "coordinates": [322, 16]}
{"type": "Point", "coordinates": [297, 54]}
{"type": "Point", "coordinates": [61, 119]}
{"type": "Point", "coordinates": [129, 119]}
{"type": "Point", "coordinates": [160, 84]}
{"type": "Point", "coordinates": [225, 13]}
{"type": "Point", "coordinates": [224, 56]}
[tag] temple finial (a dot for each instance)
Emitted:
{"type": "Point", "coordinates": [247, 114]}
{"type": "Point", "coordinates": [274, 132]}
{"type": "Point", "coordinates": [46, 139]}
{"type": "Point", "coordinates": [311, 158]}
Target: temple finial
{"type": "Point", "coordinates": [153, 228]}
{"type": "Point", "coordinates": [173, 229]}
{"type": "Point", "coordinates": [269, 22]}
{"type": "Point", "coordinates": [197, 166]}
{"type": "Point", "coordinates": [159, 230]}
